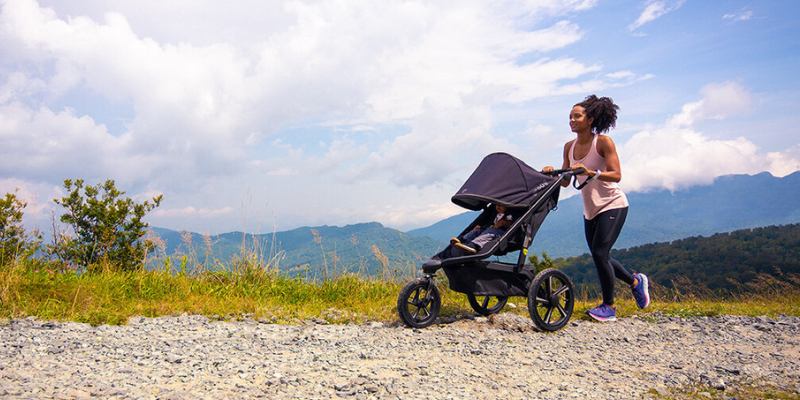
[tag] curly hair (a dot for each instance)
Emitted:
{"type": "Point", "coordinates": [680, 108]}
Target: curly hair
{"type": "Point", "coordinates": [603, 110]}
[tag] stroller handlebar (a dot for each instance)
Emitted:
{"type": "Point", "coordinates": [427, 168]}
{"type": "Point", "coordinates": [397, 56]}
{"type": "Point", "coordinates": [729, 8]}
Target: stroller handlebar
{"type": "Point", "coordinates": [568, 171]}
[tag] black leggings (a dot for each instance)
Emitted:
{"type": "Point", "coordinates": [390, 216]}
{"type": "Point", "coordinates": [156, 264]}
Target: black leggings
{"type": "Point", "coordinates": [601, 233]}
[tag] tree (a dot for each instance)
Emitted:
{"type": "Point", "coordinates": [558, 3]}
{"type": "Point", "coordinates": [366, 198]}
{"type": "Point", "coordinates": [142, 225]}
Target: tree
{"type": "Point", "coordinates": [108, 229]}
{"type": "Point", "coordinates": [540, 265]}
{"type": "Point", "coordinates": [14, 241]}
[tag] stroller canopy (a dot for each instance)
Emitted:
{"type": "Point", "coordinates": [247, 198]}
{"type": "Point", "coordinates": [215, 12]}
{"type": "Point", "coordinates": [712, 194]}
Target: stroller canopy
{"type": "Point", "coordinates": [502, 179]}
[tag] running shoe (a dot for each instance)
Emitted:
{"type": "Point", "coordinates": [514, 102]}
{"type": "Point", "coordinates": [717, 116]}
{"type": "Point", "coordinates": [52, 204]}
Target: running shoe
{"type": "Point", "coordinates": [603, 313]}
{"type": "Point", "coordinates": [641, 292]}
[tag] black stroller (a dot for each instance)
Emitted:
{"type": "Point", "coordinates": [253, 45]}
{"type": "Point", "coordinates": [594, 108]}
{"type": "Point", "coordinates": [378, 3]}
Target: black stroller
{"type": "Point", "coordinates": [500, 179]}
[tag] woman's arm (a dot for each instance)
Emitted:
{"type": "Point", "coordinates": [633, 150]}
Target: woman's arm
{"type": "Point", "coordinates": [607, 150]}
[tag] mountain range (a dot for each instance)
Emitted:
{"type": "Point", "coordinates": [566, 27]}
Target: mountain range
{"type": "Point", "coordinates": [731, 203]}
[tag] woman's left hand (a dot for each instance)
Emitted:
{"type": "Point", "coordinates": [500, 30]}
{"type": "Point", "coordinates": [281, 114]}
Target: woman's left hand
{"type": "Point", "coordinates": [579, 166]}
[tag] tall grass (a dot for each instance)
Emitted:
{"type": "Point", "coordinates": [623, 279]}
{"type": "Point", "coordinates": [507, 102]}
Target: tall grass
{"type": "Point", "coordinates": [194, 281]}
{"type": "Point", "coordinates": [113, 296]}
{"type": "Point", "coordinates": [253, 285]}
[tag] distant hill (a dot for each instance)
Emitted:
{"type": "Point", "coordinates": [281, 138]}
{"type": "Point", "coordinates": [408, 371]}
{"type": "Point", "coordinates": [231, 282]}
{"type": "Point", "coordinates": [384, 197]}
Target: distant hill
{"type": "Point", "coordinates": [364, 248]}
{"type": "Point", "coordinates": [732, 202]}
{"type": "Point", "coordinates": [720, 262]}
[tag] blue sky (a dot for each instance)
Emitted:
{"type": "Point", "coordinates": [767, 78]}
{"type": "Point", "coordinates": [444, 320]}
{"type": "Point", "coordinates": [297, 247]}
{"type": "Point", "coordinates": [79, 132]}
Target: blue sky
{"type": "Point", "coordinates": [264, 116]}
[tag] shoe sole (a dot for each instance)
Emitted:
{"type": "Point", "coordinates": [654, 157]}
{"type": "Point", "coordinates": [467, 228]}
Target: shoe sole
{"type": "Point", "coordinates": [602, 319]}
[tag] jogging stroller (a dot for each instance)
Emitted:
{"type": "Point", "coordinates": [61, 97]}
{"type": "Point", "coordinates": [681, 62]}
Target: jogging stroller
{"type": "Point", "coordinates": [500, 179]}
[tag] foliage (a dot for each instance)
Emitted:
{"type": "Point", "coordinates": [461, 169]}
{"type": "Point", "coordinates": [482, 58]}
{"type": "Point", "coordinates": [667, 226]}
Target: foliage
{"type": "Point", "coordinates": [540, 265]}
{"type": "Point", "coordinates": [108, 229]}
{"type": "Point", "coordinates": [14, 240]}
{"type": "Point", "coordinates": [747, 389]}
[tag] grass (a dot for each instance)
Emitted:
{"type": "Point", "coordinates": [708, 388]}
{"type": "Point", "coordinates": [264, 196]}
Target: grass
{"type": "Point", "coordinates": [739, 391]}
{"type": "Point", "coordinates": [111, 297]}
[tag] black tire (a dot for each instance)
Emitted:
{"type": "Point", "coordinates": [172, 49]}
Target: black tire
{"type": "Point", "coordinates": [551, 298]}
{"type": "Point", "coordinates": [419, 303]}
{"type": "Point", "coordinates": [487, 305]}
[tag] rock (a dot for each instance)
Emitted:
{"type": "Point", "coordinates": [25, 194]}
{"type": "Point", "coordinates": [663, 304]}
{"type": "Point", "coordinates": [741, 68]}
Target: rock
{"type": "Point", "coordinates": [189, 356]}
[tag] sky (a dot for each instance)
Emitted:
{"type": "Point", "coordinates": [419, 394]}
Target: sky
{"type": "Point", "coordinates": [265, 116]}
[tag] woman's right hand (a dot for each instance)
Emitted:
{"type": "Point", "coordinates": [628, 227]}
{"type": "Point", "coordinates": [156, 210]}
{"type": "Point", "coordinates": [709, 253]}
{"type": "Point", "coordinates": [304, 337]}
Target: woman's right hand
{"type": "Point", "coordinates": [548, 168]}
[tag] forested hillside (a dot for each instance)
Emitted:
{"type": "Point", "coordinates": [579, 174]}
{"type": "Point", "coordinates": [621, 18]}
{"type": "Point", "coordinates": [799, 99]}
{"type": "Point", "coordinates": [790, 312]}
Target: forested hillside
{"type": "Point", "coordinates": [365, 248]}
{"type": "Point", "coordinates": [720, 262]}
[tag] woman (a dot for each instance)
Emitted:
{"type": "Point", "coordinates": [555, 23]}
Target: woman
{"type": "Point", "coordinates": [604, 204]}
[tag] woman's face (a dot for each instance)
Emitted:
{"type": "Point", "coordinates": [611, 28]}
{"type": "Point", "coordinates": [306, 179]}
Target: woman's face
{"type": "Point", "coordinates": [578, 121]}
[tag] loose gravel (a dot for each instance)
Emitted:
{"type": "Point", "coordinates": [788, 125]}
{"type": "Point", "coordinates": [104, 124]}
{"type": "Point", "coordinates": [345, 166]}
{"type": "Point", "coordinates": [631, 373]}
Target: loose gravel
{"type": "Point", "coordinates": [501, 357]}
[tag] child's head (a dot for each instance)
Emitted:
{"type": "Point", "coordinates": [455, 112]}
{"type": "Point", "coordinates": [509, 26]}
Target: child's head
{"type": "Point", "coordinates": [500, 208]}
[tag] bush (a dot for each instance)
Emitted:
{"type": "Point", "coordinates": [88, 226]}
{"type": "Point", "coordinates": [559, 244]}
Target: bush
{"type": "Point", "coordinates": [108, 229]}
{"type": "Point", "coordinates": [14, 241]}
{"type": "Point", "coordinates": [540, 265]}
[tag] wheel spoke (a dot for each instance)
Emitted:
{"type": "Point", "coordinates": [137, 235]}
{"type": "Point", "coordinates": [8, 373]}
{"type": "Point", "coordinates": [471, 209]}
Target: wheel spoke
{"type": "Point", "coordinates": [485, 302]}
{"type": "Point", "coordinates": [563, 289]}
{"type": "Point", "coordinates": [548, 315]}
{"type": "Point", "coordinates": [548, 286]}
{"type": "Point", "coordinates": [416, 294]}
{"type": "Point", "coordinates": [561, 310]}
{"type": "Point", "coordinates": [416, 312]}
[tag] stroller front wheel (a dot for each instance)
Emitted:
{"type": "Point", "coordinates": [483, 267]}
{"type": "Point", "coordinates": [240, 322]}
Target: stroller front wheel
{"type": "Point", "coordinates": [551, 299]}
{"type": "Point", "coordinates": [419, 303]}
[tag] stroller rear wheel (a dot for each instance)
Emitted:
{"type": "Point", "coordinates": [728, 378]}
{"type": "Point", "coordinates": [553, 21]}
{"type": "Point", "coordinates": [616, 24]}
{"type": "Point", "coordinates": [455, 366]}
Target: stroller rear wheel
{"type": "Point", "coordinates": [551, 298]}
{"type": "Point", "coordinates": [419, 303]}
{"type": "Point", "coordinates": [487, 305]}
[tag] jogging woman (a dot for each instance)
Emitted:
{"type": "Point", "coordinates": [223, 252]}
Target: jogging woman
{"type": "Point", "coordinates": [604, 204]}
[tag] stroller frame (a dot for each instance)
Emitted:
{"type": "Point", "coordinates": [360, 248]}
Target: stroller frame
{"type": "Point", "coordinates": [489, 283]}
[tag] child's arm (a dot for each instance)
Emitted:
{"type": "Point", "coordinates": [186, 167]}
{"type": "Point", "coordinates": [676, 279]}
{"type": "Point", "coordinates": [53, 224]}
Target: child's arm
{"type": "Point", "coordinates": [503, 224]}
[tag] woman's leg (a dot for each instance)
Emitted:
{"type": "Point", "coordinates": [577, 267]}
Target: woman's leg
{"type": "Point", "coordinates": [601, 234]}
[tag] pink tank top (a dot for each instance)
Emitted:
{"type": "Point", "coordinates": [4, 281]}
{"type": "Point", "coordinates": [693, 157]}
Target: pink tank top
{"type": "Point", "coordinates": [598, 196]}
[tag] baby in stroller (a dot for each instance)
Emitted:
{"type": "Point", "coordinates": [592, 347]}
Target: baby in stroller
{"type": "Point", "coordinates": [473, 241]}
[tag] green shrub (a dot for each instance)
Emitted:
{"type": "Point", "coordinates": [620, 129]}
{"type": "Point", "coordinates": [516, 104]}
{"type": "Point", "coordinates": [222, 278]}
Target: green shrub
{"type": "Point", "coordinates": [14, 240]}
{"type": "Point", "coordinates": [108, 229]}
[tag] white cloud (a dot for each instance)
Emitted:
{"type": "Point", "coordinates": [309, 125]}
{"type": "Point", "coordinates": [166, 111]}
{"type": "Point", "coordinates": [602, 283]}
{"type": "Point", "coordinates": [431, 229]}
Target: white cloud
{"type": "Point", "coordinates": [676, 155]}
{"type": "Point", "coordinates": [655, 10]}
{"type": "Point", "coordinates": [720, 101]}
{"type": "Point", "coordinates": [206, 88]}
{"type": "Point", "coordinates": [675, 158]}
{"type": "Point", "coordinates": [742, 15]}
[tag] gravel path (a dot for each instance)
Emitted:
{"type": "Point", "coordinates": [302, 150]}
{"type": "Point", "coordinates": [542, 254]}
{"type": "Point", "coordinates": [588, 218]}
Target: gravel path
{"type": "Point", "coordinates": [501, 357]}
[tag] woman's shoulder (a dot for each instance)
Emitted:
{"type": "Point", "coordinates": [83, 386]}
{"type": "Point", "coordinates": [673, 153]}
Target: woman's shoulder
{"type": "Point", "coordinates": [604, 139]}
{"type": "Point", "coordinates": [605, 143]}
